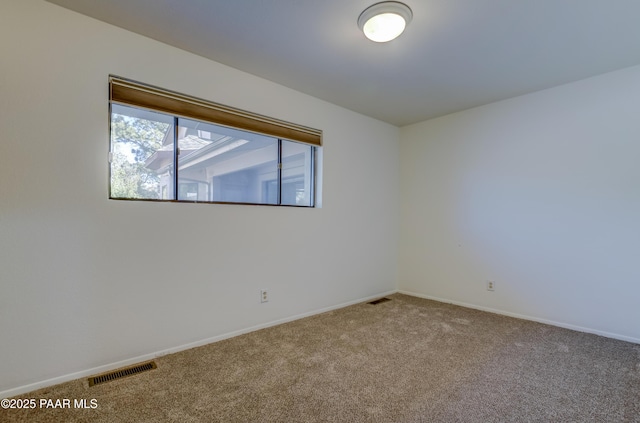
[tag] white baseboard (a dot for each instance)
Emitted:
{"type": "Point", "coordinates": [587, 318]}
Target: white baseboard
{"type": "Point", "coordinates": [107, 367]}
{"type": "Point", "coordinates": [525, 317]}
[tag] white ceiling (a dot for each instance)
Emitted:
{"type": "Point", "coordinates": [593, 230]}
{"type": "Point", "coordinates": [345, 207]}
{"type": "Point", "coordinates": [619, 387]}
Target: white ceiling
{"type": "Point", "coordinates": [454, 55]}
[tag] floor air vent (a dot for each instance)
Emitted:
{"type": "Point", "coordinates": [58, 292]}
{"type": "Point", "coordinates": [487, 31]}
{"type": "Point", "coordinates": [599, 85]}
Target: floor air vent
{"type": "Point", "coordinates": [120, 373]}
{"type": "Point", "coordinates": [381, 300]}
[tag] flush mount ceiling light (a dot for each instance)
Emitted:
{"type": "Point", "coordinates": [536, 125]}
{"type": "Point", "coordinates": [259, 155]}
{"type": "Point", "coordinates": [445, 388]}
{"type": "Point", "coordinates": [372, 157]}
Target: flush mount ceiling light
{"type": "Point", "coordinates": [384, 21]}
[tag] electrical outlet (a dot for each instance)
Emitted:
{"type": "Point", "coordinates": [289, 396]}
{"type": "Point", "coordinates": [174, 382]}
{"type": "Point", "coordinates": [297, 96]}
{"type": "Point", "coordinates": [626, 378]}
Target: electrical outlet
{"type": "Point", "coordinates": [264, 296]}
{"type": "Point", "coordinates": [491, 286]}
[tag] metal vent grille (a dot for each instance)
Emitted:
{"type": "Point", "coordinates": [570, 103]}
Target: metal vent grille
{"type": "Point", "coordinates": [120, 373]}
{"type": "Point", "coordinates": [378, 301]}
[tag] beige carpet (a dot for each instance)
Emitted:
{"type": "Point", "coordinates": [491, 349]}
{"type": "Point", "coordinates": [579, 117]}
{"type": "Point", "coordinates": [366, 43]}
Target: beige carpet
{"type": "Point", "coordinates": [405, 360]}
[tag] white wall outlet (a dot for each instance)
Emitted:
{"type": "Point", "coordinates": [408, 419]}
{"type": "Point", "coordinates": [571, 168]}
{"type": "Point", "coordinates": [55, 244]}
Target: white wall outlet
{"type": "Point", "coordinates": [264, 296]}
{"type": "Point", "coordinates": [491, 286]}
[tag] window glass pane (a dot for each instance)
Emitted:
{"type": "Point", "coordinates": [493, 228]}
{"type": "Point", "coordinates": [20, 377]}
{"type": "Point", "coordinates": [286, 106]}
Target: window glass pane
{"type": "Point", "coordinates": [297, 178]}
{"type": "Point", "coordinates": [217, 163]}
{"type": "Point", "coordinates": [142, 154]}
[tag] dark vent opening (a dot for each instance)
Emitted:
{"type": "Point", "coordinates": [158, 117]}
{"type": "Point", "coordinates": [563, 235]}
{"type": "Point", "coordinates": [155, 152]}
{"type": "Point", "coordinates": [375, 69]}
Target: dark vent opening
{"type": "Point", "coordinates": [378, 301]}
{"type": "Point", "coordinates": [120, 373]}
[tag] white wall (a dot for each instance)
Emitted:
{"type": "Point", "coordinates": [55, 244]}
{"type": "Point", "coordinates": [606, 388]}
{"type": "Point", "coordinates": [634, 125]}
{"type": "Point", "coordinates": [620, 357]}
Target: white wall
{"type": "Point", "coordinates": [540, 193]}
{"type": "Point", "coordinates": [88, 282]}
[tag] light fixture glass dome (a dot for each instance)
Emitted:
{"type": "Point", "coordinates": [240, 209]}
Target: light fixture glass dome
{"type": "Point", "coordinates": [385, 21]}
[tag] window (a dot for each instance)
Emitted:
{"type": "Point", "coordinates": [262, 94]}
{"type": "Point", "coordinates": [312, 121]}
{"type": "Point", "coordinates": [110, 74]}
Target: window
{"type": "Point", "coordinates": [166, 146]}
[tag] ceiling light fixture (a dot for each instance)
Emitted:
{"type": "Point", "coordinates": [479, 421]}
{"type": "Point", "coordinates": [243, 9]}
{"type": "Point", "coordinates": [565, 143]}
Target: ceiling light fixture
{"type": "Point", "coordinates": [385, 21]}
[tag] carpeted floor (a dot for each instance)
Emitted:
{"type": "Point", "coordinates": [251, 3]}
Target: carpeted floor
{"type": "Point", "coordinates": [405, 360]}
